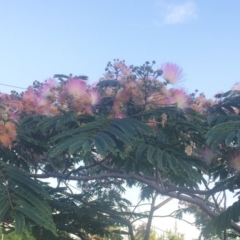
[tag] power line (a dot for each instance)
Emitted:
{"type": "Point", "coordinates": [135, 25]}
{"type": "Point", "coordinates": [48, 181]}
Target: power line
{"type": "Point", "coordinates": [6, 85]}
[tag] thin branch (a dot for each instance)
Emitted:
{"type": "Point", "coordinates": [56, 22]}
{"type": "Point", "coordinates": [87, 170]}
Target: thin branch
{"type": "Point", "coordinates": [180, 195]}
{"type": "Point", "coordinates": [135, 207]}
{"type": "Point", "coordinates": [84, 168]}
{"type": "Point", "coordinates": [213, 197]}
{"type": "Point", "coordinates": [162, 203]}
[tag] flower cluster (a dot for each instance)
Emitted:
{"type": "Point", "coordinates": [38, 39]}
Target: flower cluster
{"type": "Point", "coordinates": [123, 91]}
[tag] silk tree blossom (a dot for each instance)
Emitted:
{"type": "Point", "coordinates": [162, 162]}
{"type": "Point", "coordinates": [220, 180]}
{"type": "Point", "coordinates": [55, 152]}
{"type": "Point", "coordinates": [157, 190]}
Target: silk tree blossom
{"type": "Point", "coordinates": [30, 96]}
{"type": "Point", "coordinates": [236, 86]}
{"type": "Point", "coordinates": [119, 115]}
{"type": "Point", "coordinates": [172, 73]}
{"type": "Point", "coordinates": [124, 69]}
{"type": "Point", "coordinates": [46, 107]}
{"type": "Point", "coordinates": [75, 88]}
{"type": "Point", "coordinates": [152, 122]}
{"type": "Point", "coordinates": [178, 97]}
{"type": "Point", "coordinates": [29, 100]}
{"type": "Point", "coordinates": [46, 90]}
{"type": "Point", "coordinates": [7, 133]}
{"type": "Point", "coordinates": [14, 116]}
{"type": "Point", "coordinates": [155, 100]}
{"type": "Point", "coordinates": [119, 65]}
{"type": "Point", "coordinates": [94, 97]}
{"type": "Point", "coordinates": [127, 71]}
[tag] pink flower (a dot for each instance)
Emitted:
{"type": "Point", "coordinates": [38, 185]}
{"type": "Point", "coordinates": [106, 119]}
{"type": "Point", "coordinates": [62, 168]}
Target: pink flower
{"type": "Point", "coordinates": [119, 65]}
{"type": "Point", "coordinates": [29, 100]}
{"type": "Point", "coordinates": [236, 86]}
{"type": "Point", "coordinates": [46, 89]}
{"type": "Point", "coordinates": [14, 117]}
{"type": "Point", "coordinates": [172, 73]}
{"type": "Point", "coordinates": [75, 88]}
{"type": "Point", "coordinates": [178, 97]}
{"type": "Point", "coordinates": [119, 115]}
{"type": "Point", "coordinates": [152, 122]}
{"type": "Point", "coordinates": [126, 71]}
{"type": "Point", "coordinates": [94, 96]}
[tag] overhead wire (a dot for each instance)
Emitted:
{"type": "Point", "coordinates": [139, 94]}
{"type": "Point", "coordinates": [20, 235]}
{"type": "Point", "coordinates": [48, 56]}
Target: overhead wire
{"type": "Point", "coordinates": [7, 85]}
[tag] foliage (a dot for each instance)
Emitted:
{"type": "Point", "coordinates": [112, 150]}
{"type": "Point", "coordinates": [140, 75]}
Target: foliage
{"type": "Point", "coordinates": [132, 128]}
{"type": "Point", "coordinates": [140, 233]}
{"type": "Point", "coordinates": [168, 235]}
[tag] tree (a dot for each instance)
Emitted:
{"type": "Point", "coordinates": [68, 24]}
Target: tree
{"type": "Point", "coordinates": [170, 235]}
{"type": "Point", "coordinates": [130, 129]}
{"type": "Point", "coordinates": [141, 232]}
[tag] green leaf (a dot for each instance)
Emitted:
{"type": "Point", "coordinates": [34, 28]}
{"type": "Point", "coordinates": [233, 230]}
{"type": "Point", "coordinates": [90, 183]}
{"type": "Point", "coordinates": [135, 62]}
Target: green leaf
{"type": "Point", "coordinates": [230, 137]}
{"type": "Point", "coordinates": [125, 127]}
{"type": "Point", "coordinates": [118, 134]}
{"type": "Point", "coordinates": [3, 210]}
{"type": "Point", "coordinates": [35, 216]}
{"type": "Point", "coordinates": [100, 145]}
{"type": "Point", "coordinates": [150, 152]}
{"type": "Point", "coordinates": [19, 223]}
{"type": "Point", "coordinates": [141, 151]}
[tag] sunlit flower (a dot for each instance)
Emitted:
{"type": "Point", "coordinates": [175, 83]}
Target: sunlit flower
{"type": "Point", "coordinates": [123, 95]}
{"type": "Point", "coordinates": [29, 100]}
{"type": "Point", "coordinates": [30, 96]}
{"type": "Point", "coordinates": [46, 90]}
{"type": "Point", "coordinates": [6, 141]}
{"type": "Point", "coordinates": [196, 107]}
{"type": "Point", "coordinates": [7, 133]}
{"type": "Point", "coordinates": [172, 73]}
{"type": "Point", "coordinates": [155, 100]}
{"type": "Point", "coordinates": [94, 97]}
{"type": "Point", "coordinates": [178, 97]}
{"type": "Point", "coordinates": [75, 88]}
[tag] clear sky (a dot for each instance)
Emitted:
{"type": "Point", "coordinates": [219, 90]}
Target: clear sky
{"type": "Point", "coordinates": [43, 37]}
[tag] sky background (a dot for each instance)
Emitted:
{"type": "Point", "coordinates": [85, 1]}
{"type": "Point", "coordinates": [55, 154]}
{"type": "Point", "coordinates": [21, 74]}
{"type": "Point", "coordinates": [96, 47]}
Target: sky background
{"type": "Point", "coordinates": [43, 37]}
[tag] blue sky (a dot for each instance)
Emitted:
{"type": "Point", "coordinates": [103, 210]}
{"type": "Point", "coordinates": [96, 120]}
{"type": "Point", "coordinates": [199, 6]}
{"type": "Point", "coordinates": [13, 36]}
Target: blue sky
{"type": "Point", "coordinates": [41, 38]}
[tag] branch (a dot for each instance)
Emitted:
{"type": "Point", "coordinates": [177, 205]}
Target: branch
{"type": "Point", "coordinates": [84, 168]}
{"type": "Point", "coordinates": [162, 203]}
{"type": "Point", "coordinates": [113, 215]}
{"type": "Point", "coordinates": [180, 195]}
